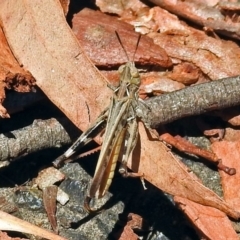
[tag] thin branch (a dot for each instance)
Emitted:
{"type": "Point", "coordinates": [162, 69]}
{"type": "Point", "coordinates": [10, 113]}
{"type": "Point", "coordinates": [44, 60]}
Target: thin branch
{"type": "Point", "coordinates": [190, 101]}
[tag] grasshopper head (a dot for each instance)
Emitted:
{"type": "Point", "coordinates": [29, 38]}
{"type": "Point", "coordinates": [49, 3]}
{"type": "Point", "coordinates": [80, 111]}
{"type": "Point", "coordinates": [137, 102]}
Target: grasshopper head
{"type": "Point", "coordinates": [129, 74]}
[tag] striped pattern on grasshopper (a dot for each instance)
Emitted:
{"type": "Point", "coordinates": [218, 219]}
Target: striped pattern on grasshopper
{"type": "Point", "coordinates": [121, 132]}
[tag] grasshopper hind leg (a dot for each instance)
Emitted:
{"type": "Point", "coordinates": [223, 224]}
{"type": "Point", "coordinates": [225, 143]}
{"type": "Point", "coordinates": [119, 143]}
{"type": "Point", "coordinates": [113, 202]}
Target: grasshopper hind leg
{"type": "Point", "coordinates": [130, 143]}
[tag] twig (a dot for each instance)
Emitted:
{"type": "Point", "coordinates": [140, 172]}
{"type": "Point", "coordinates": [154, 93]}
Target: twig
{"type": "Point", "coordinates": [190, 101]}
{"type": "Point", "coordinates": [42, 134]}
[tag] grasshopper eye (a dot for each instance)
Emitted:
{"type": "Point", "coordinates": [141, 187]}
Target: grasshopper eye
{"type": "Point", "coordinates": [136, 81]}
{"type": "Point", "coordinates": [134, 72]}
{"type": "Point", "coordinates": [121, 68]}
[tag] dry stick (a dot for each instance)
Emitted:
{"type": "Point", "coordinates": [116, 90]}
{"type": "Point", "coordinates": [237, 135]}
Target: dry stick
{"type": "Point", "coordinates": [185, 146]}
{"type": "Point", "coordinates": [42, 134]}
{"type": "Point", "coordinates": [190, 101]}
{"type": "Point", "coordinates": [155, 111]}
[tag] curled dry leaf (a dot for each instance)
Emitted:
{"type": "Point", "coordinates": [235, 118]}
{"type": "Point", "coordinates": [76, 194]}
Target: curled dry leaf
{"type": "Point", "coordinates": [49, 200]}
{"type": "Point", "coordinates": [210, 222]}
{"type": "Point", "coordinates": [135, 222]}
{"type": "Point", "coordinates": [48, 177]}
{"type": "Point", "coordinates": [232, 135]}
{"type": "Point", "coordinates": [128, 233]}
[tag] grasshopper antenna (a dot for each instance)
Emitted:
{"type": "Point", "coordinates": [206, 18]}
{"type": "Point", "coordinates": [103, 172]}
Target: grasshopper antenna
{"type": "Point", "coordinates": [119, 39]}
{"type": "Point", "coordinates": [139, 37]}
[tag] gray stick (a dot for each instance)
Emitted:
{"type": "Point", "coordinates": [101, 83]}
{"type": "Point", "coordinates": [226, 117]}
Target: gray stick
{"type": "Point", "coordinates": [190, 101]}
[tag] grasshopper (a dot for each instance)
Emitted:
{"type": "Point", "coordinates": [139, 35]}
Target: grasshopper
{"type": "Point", "coordinates": [121, 132]}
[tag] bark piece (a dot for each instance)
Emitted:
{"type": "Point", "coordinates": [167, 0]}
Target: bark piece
{"type": "Point", "coordinates": [96, 33]}
{"type": "Point", "coordinates": [212, 56]}
{"type": "Point", "coordinates": [185, 73]}
{"type": "Point", "coordinates": [203, 14]}
{"type": "Point", "coordinates": [229, 153]}
{"type": "Point", "coordinates": [210, 222]}
{"type": "Point", "coordinates": [157, 83]}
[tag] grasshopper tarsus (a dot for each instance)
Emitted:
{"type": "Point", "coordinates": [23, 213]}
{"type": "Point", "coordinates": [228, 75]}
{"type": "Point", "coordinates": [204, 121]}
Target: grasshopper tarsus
{"type": "Point", "coordinates": [87, 207]}
{"type": "Point", "coordinates": [58, 162]}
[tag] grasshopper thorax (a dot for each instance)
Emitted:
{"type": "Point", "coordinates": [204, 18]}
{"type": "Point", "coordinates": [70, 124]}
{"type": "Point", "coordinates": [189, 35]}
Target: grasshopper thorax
{"type": "Point", "coordinates": [129, 74]}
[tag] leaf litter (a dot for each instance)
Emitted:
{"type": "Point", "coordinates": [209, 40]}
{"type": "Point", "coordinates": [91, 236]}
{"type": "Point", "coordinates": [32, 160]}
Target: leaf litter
{"type": "Point", "coordinates": [176, 180]}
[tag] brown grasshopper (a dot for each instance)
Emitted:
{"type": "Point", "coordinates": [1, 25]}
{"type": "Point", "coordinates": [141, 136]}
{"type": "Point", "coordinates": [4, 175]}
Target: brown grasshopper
{"type": "Point", "coordinates": [121, 132]}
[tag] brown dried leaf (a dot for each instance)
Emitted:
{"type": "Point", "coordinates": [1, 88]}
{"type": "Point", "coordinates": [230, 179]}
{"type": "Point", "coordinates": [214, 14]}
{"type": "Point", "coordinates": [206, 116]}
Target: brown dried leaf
{"type": "Point", "coordinates": [229, 153]}
{"type": "Point", "coordinates": [49, 50]}
{"type": "Point", "coordinates": [48, 177]}
{"type": "Point", "coordinates": [65, 6]}
{"type": "Point", "coordinates": [170, 175]}
{"type": "Point", "coordinates": [58, 63]}
{"type": "Point", "coordinates": [232, 135]}
{"type": "Point", "coordinates": [12, 76]}
{"type": "Point", "coordinates": [49, 200]}
{"type": "Point", "coordinates": [96, 33]}
{"type": "Point", "coordinates": [11, 223]}
{"type": "Point", "coordinates": [135, 222]}
{"type": "Point", "coordinates": [128, 233]}
{"type": "Point", "coordinates": [210, 222]}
